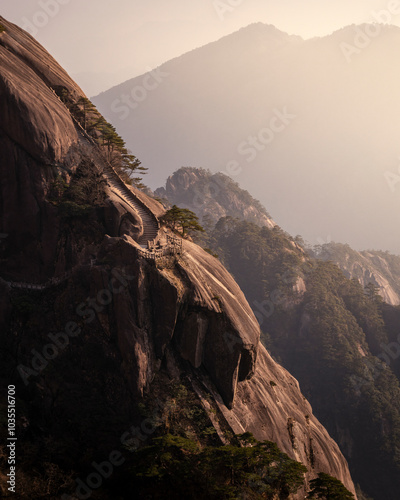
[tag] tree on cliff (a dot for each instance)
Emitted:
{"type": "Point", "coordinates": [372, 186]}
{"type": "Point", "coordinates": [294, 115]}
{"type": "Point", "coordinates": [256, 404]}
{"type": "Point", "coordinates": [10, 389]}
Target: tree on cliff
{"type": "Point", "coordinates": [182, 220]}
{"type": "Point", "coordinates": [86, 109]}
{"type": "Point", "coordinates": [131, 166]}
{"type": "Point", "coordinates": [105, 134]}
{"type": "Point", "coordinates": [328, 488]}
{"type": "Point", "coordinates": [372, 292]}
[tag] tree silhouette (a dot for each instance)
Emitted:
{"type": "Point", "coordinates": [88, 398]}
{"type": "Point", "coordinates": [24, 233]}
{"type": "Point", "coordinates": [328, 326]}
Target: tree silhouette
{"type": "Point", "coordinates": [182, 220]}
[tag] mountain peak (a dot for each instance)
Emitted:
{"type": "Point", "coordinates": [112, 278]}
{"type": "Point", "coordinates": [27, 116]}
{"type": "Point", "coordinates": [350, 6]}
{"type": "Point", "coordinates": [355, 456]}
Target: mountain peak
{"type": "Point", "coordinates": [213, 196]}
{"type": "Point", "coordinates": [261, 32]}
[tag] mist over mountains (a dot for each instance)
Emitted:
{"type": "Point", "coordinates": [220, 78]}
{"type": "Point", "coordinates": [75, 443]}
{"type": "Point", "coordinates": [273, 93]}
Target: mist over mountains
{"type": "Point", "coordinates": [309, 127]}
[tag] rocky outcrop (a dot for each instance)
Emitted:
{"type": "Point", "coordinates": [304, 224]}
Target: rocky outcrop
{"type": "Point", "coordinates": [127, 312]}
{"type": "Point", "coordinates": [45, 132]}
{"type": "Point", "coordinates": [192, 303]}
{"type": "Point", "coordinates": [213, 195]}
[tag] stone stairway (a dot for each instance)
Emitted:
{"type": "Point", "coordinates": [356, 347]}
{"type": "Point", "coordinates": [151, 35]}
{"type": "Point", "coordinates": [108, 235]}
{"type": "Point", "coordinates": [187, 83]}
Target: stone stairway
{"type": "Point", "coordinates": [151, 226]}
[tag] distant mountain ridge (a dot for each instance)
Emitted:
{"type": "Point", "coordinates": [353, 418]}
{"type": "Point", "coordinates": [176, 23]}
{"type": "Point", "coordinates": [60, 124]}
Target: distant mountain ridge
{"type": "Point", "coordinates": [213, 196]}
{"type": "Point", "coordinates": [369, 266]}
{"type": "Point", "coordinates": [219, 104]}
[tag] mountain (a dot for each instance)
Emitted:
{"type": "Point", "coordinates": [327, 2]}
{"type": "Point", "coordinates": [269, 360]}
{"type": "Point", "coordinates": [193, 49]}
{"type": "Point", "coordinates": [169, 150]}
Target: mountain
{"type": "Point", "coordinates": [289, 119]}
{"type": "Point", "coordinates": [212, 196]}
{"type": "Point", "coordinates": [370, 266]}
{"type": "Point", "coordinates": [340, 342]}
{"type": "Point", "coordinates": [118, 338]}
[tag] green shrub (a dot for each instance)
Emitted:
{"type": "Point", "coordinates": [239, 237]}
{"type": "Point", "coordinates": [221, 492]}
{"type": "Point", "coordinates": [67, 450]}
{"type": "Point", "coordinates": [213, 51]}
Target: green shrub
{"type": "Point", "coordinates": [250, 469]}
{"type": "Point", "coordinates": [72, 209]}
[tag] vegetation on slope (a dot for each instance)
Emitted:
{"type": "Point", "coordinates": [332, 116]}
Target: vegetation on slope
{"type": "Point", "coordinates": [382, 268]}
{"type": "Point", "coordinates": [186, 459]}
{"type": "Point", "coordinates": [105, 134]}
{"type": "Point", "coordinates": [166, 444]}
{"type": "Point", "coordinates": [176, 467]}
{"type": "Point", "coordinates": [326, 486]}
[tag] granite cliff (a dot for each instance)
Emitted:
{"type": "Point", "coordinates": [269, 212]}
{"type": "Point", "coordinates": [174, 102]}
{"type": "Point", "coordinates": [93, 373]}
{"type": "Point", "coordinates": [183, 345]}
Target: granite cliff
{"type": "Point", "coordinates": [72, 261]}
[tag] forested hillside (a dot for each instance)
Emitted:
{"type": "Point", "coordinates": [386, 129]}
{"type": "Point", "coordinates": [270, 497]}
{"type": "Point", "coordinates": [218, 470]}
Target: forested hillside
{"type": "Point", "coordinates": [339, 339]}
{"type": "Point", "coordinates": [369, 266]}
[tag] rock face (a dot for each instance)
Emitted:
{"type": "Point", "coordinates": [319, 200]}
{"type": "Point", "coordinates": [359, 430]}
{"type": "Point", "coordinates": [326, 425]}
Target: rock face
{"type": "Point", "coordinates": [193, 304]}
{"type": "Point", "coordinates": [380, 268]}
{"type": "Point", "coordinates": [271, 406]}
{"type": "Point", "coordinates": [128, 313]}
{"type": "Point", "coordinates": [36, 135]}
{"type": "Point", "coordinates": [213, 195]}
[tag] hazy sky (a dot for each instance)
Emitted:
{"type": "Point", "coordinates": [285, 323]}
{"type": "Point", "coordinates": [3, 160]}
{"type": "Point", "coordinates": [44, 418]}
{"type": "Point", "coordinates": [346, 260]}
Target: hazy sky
{"type": "Point", "coordinates": [102, 42]}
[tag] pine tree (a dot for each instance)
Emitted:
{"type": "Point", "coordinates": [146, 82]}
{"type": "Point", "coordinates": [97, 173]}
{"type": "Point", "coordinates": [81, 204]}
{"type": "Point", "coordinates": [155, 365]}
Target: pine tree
{"type": "Point", "coordinates": [327, 487]}
{"type": "Point", "coordinates": [86, 108]}
{"type": "Point", "coordinates": [182, 220]}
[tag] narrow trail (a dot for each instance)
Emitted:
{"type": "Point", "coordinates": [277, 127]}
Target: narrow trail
{"type": "Point", "coordinates": [151, 226]}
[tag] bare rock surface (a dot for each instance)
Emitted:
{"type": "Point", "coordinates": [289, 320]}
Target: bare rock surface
{"type": "Point", "coordinates": [31, 114]}
{"type": "Point", "coordinates": [272, 407]}
{"type": "Point", "coordinates": [197, 309]}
